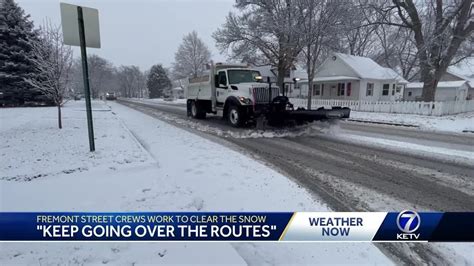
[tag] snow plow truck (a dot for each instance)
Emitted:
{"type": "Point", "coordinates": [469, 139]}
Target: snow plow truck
{"type": "Point", "coordinates": [239, 94]}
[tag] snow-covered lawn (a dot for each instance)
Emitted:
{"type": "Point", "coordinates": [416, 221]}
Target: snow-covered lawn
{"type": "Point", "coordinates": [143, 164]}
{"type": "Point", "coordinates": [161, 100]}
{"type": "Point", "coordinates": [34, 147]}
{"type": "Point", "coordinates": [451, 123]}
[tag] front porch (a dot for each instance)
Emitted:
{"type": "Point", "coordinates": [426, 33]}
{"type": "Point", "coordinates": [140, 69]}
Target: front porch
{"type": "Point", "coordinates": [337, 87]}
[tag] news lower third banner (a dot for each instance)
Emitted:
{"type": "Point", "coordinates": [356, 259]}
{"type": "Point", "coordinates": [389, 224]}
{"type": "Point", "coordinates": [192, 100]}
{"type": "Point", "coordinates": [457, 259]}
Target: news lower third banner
{"type": "Point", "coordinates": [238, 226]}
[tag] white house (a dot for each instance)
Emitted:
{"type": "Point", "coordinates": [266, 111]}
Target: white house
{"type": "Point", "coordinates": [177, 92]}
{"type": "Point", "coordinates": [179, 87]}
{"type": "Point", "coordinates": [348, 77]}
{"type": "Point", "coordinates": [445, 91]}
{"type": "Point", "coordinates": [451, 87]}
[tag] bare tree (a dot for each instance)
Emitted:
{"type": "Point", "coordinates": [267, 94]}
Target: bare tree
{"type": "Point", "coordinates": [267, 28]}
{"type": "Point", "coordinates": [53, 60]}
{"type": "Point", "coordinates": [361, 41]}
{"type": "Point", "coordinates": [142, 84]}
{"type": "Point", "coordinates": [357, 37]}
{"type": "Point", "coordinates": [100, 71]}
{"type": "Point", "coordinates": [398, 51]}
{"type": "Point", "coordinates": [191, 57]}
{"type": "Point", "coordinates": [132, 81]}
{"type": "Point", "coordinates": [439, 28]}
{"type": "Point", "coordinates": [320, 21]}
{"type": "Point", "coordinates": [101, 75]}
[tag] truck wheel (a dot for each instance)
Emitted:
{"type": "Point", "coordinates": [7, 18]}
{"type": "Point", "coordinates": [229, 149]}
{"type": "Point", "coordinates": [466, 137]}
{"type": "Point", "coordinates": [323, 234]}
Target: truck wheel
{"type": "Point", "coordinates": [196, 110]}
{"type": "Point", "coordinates": [235, 116]}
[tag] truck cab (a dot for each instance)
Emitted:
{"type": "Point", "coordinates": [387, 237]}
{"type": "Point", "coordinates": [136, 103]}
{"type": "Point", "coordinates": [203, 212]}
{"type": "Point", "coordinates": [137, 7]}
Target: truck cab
{"type": "Point", "coordinates": [228, 82]}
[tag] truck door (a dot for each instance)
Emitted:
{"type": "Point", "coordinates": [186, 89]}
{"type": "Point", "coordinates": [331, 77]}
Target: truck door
{"type": "Point", "coordinates": [221, 89]}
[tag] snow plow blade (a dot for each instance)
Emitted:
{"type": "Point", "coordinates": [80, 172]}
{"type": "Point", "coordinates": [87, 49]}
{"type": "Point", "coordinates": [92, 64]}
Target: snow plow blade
{"type": "Point", "coordinates": [319, 114]}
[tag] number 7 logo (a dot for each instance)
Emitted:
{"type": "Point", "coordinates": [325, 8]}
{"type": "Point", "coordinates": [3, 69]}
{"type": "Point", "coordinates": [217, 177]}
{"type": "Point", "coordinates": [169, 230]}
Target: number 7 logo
{"type": "Point", "coordinates": [408, 221]}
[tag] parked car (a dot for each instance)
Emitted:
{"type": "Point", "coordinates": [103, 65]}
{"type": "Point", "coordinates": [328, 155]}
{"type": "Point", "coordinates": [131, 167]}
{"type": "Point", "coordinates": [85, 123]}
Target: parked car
{"type": "Point", "coordinates": [110, 96]}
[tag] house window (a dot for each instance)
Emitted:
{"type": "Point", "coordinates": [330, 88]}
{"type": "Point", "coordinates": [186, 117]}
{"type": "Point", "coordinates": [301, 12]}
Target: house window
{"type": "Point", "coordinates": [316, 90]}
{"type": "Point", "coordinates": [393, 89]}
{"type": "Point", "coordinates": [399, 88]}
{"type": "Point", "coordinates": [341, 87]}
{"type": "Point", "coordinates": [370, 89]}
{"type": "Point", "coordinates": [409, 93]}
{"type": "Point", "coordinates": [385, 90]}
{"type": "Point", "coordinates": [322, 89]}
{"type": "Point", "coordinates": [349, 89]}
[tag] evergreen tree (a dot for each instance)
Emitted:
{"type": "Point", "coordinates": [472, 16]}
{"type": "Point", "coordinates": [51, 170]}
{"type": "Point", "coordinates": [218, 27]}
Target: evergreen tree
{"type": "Point", "coordinates": [17, 36]}
{"type": "Point", "coordinates": [158, 82]}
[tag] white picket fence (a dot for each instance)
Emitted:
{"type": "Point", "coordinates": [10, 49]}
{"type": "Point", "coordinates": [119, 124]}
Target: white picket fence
{"type": "Point", "coordinates": [408, 107]}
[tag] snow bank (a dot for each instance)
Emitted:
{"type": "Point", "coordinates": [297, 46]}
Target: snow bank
{"type": "Point", "coordinates": [143, 164]}
{"type": "Point", "coordinates": [459, 156]}
{"type": "Point", "coordinates": [451, 123]}
{"type": "Point", "coordinates": [161, 100]}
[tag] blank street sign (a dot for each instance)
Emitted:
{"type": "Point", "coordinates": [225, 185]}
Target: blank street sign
{"type": "Point", "coordinates": [70, 25]}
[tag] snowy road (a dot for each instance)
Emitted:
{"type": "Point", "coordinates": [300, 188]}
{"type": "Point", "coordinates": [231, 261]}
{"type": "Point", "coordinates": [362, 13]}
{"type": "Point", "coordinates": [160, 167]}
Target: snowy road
{"type": "Point", "coordinates": [359, 175]}
{"type": "Point", "coordinates": [456, 141]}
{"type": "Point", "coordinates": [394, 178]}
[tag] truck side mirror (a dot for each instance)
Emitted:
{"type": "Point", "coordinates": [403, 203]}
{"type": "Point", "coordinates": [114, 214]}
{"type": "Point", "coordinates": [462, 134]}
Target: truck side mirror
{"type": "Point", "coordinates": [216, 81]}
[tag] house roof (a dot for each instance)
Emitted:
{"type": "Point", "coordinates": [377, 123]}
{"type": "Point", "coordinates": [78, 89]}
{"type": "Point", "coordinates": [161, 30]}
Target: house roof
{"type": "Point", "coordinates": [462, 74]}
{"type": "Point", "coordinates": [334, 78]}
{"type": "Point", "coordinates": [452, 72]}
{"type": "Point", "coordinates": [300, 73]}
{"type": "Point", "coordinates": [397, 77]}
{"type": "Point", "coordinates": [367, 68]}
{"type": "Point", "coordinates": [441, 84]}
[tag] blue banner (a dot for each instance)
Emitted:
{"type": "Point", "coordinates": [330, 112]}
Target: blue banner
{"type": "Point", "coordinates": [237, 226]}
{"type": "Point", "coordinates": [144, 226]}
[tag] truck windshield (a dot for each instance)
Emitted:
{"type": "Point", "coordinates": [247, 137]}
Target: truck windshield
{"type": "Point", "coordinates": [241, 76]}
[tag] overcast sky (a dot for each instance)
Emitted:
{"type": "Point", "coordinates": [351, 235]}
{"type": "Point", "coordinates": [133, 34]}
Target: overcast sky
{"type": "Point", "coordinates": [143, 32]}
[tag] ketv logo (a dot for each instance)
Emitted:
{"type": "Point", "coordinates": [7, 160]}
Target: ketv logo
{"type": "Point", "coordinates": [408, 222]}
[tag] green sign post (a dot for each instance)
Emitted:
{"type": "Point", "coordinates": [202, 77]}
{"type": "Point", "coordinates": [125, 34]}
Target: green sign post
{"type": "Point", "coordinates": [85, 74]}
{"type": "Point", "coordinates": [81, 28]}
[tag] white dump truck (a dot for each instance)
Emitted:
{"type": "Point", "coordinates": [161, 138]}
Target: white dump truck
{"type": "Point", "coordinates": [239, 94]}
